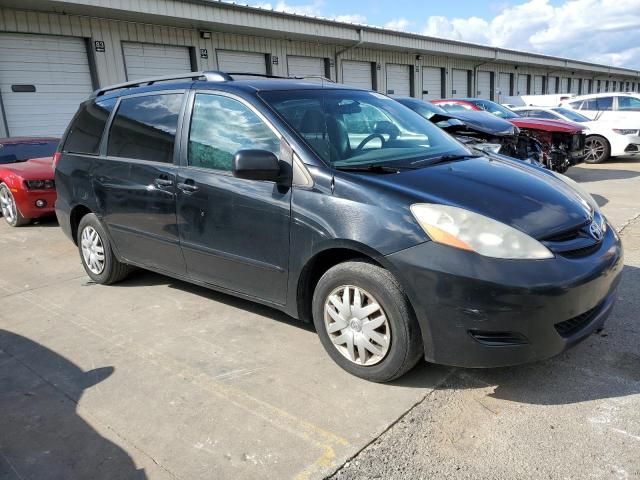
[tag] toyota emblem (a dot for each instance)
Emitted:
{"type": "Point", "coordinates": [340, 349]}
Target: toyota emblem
{"type": "Point", "coordinates": [595, 231]}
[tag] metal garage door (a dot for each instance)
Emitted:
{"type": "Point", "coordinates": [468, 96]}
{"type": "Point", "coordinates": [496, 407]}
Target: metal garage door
{"type": "Point", "coordinates": [144, 60]}
{"type": "Point", "coordinates": [551, 85]}
{"type": "Point", "coordinates": [242, 62]}
{"type": "Point", "coordinates": [538, 83]}
{"type": "Point", "coordinates": [306, 67]}
{"type": "Point", "coordinates": [484, 85]}
{"type": "Point", "coordinates": [504, 86]}
{"type": "Point", "coordinates": [357, 74]}
{"type": "Point", "coordinates": [564, 85]}
{"type": "Point", "coordinates": [460, 83]}
{"type": "Point", "coordinates": [56, 68]}
{"type": "Point", "coordinates": [398, 80]}
{"type": "Point", "coordinates": [431, 83]}
{"type": "Point", "coordinates": [575, 86]}
{"type": "Point", "coordinates": [523, 81]}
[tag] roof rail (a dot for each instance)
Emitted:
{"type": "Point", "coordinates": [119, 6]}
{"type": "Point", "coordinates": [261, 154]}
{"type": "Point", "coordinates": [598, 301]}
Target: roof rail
{"type": "Point", "coordinates": [304, 77]}
{"type": "Point", "coordinates": [210, 76]}
{"type": "Point", "coordinates": [261, 75]}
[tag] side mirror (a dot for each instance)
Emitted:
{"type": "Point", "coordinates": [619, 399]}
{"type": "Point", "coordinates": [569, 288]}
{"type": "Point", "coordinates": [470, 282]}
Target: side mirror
{"type": "Point", "coordinates": [256, 165]}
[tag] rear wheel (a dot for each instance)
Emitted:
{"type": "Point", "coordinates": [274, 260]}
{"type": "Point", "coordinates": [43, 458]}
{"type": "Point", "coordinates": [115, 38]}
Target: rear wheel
{"type": "Point", "coordinates": [598, 149]}
{"type": "Point", "coordinates": [365, 322]}
{"type": "Point", "coordinates": [10, 210]}
{"type": "Point", "coordinates": [96, 253]}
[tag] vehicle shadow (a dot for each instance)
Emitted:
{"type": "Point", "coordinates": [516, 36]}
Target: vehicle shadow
{"type": "Point", "coordinates": [50, 221]}
{"type": "Point", "coordinates": [583, 175]}
{"type": "Point", "coordinates": [604, 365]}
{"type": "Point", "coordinates": [140, 278]}
{"type": "Point", "coordinates": [41, 433]}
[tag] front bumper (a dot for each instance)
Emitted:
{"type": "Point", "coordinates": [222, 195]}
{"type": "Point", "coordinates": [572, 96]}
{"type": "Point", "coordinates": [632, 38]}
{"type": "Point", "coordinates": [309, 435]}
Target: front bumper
{"type": "Point", "coordinates": [476, 311]}
{"type": "Point", "coordinates": [26, 202]}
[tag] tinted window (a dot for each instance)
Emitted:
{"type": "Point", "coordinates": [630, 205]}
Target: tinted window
{"type": "Point", "coordinates": [604, 103]}
{"type": "Point", "coordinates": [87, 128]}
{"type": "Point", "coordinates": [542, 114]}
{"type": "Point", "coordinates": [220, 126]}
{"type": "Point", "coordinates": [571, 115]}
{"type": "Point", "coordinates": [496, 109]}
{"type": "Point", "coordinates": [17, 152]}
{"type": "Point", "coordinates": [144, 127]}
{"type": "Point", "coordinates": [628, 103]}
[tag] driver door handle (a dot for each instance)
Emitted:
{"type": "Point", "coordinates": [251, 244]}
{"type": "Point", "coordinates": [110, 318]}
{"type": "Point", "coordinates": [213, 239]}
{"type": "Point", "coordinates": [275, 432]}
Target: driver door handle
{"type": "Point", "coordinates": [163, 182]}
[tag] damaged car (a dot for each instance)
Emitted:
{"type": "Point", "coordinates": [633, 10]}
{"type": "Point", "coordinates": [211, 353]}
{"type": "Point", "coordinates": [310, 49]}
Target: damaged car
{"type": "Point", "coordinates": [479, 130]}
{"type": "Point", "coordinates": [562, 143]}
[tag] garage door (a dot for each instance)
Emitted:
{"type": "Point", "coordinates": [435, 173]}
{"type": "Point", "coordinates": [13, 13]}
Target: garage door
{"type": "Point", "coordinates": [538, 85]}
{"type": "Point", "coordinates": [460, 83]}
{"type": "Point", "coordinates": [564, 85]}
{"type": "Point", "coordinates": [504, 86]}
{"type": "Point", "coordinates": [242, 62]}
{"type": "Point", "coordinates": [575, 86]}
{"type": "Point", "coordinates": [484, 85]}
{"type": "Point", "coordinates": [357, 74]}
{"type": "Point", "coordinates": [306, 67]}
{"type": "Point", "coordinates": [398, 80]}
{"type": "Point", "coordinates": [523, 81]}
{"type": "Point", "coordinates": [144, 60]}
{"type": "Point", "coordinates": [431, 83]}
{"type": "Point", "coordinates": [43, 78]}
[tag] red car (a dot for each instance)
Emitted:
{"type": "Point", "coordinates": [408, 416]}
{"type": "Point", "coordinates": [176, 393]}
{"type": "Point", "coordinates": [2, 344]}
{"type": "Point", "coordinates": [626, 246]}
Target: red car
{"type": "Point", "coordinates": [562, 143]}
{"type": "Point", "coordinates": [27, 189]}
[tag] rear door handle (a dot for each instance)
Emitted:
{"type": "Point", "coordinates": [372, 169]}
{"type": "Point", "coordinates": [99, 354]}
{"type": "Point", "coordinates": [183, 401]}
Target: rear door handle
{"type": "Point", "coordinates": [163, 182]}
{"type": "Point", "coordinates": [188, 186]}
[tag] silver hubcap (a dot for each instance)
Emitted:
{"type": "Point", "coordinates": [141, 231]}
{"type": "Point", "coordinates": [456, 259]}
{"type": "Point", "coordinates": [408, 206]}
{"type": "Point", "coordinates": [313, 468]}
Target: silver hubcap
{"type": "Point", "coordinates": [357, 325]}
{"type": "Point", "coordinates": [7, 205]}
{"type": "Point", "coordinates": [595, 149]}
{"type": "Point", "coordinates": [92, 250]}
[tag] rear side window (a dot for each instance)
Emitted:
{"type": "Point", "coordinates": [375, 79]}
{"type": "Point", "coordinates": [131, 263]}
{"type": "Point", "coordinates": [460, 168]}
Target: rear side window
{"type": "Point", "coordinates": [144, 128]}
{"type": "Point", "coordinates": [88, 125]}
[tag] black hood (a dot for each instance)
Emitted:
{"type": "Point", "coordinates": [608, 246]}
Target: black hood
{"type": "Point", "coordinates": [482, 122]}
{"type": "Point", "coordinates": [528, 198]}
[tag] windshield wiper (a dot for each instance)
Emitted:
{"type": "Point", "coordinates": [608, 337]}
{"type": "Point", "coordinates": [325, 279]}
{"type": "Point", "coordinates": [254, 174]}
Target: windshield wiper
{"type": "Point", "coordinates": [444, 158]}
{"type": "Point", "coordinates": [372, 168]}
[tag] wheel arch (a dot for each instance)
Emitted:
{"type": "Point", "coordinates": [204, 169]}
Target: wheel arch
{"type": "Point", "coordinates": [75, 216]}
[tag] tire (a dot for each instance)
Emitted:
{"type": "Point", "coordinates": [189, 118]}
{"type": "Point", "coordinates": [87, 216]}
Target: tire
{"type": "Point", "coordinates": [598, 149]}
{"type": "Point", "coordinates": [103, 268]}
{"type": "Point", "coordinates": [402, 332]}
{"type": "Point", "coordinates": [9, 208]}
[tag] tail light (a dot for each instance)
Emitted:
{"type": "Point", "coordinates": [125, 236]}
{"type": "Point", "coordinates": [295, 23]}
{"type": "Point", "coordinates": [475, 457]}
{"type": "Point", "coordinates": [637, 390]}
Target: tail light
{"type": "Point", "coordinates": [56, 159]}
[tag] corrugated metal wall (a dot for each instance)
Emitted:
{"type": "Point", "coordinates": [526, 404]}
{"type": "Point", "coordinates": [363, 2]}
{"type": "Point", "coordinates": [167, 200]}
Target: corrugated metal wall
{"type": "Point", "coordinates": [110, 67]}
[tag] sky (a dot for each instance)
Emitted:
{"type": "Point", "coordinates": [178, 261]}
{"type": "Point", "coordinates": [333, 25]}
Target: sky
{"type": "Point", "coordinates": [601, 31]}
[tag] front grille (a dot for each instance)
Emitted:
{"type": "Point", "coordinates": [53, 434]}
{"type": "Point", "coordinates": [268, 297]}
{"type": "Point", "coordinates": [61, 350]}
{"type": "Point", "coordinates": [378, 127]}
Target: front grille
{"type": "Point", "coordinates": [580, 252]}
{"type": "Point", "coordinates": [498, 339]}
{"type": "Point", "coordinates": [575, 243]}
{"type": "Point", "coordinates": [572, 326]}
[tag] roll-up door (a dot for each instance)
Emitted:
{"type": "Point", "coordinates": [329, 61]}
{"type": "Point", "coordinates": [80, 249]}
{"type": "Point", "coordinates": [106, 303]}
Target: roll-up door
{"type": "Point", "coordinates": [523, 84]}
{"type": "Point", "coordinates": [398, 80]}
{"type": "Point", "coordinates": [504, 86]}
{"type": "Point", "coordinates": [242, 62]}
{"type": "Point", "coordinates": [311, 67]}
{"type": "Point", "coordinates": [431, 83]}
{"type": "Point", "coordinates": [564, 85]}
{"type": "Point", "coordinates": [538, 82]}
{"type": "Point", "coordinates": [484, 85]}
{"type": "Point", "coordinates": [144, 60]}
{"type": "Point", "coordinates": [43, 79]}
{"type": "Point", "coordinates": [552, 86]}
{"type": "Point", "coordinates": [460, 83]}
{"type": "Point", "coordinates": [575, 86]}
{"type": "Point", "coordinates": [357, 74]}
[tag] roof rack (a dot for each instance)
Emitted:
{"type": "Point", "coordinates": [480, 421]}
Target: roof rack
{"type": "Point", "coordinates": [261, 75]}
{"type": "Point", "coordinates": [210, 76]}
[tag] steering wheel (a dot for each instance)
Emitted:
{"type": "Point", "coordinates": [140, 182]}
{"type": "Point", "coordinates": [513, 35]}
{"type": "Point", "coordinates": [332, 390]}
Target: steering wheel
{"type": "Point", "coordinates": [368, 139]}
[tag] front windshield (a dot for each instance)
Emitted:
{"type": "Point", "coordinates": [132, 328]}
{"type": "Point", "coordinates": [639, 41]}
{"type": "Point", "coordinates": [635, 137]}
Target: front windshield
{"type": "Point", "coordinates": [571, 115]}
{"type": "Point", "coordinates": [357, 128]}
{"type": "Point", "coordinates": [496, 109]}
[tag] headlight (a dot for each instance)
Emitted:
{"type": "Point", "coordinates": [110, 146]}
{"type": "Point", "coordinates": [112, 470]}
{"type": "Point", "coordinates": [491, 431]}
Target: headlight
{"type": "Point", "coordinates": [625, 131]}
{"type": "Point", "coordinates": [467, 230]}
{"type": "Point", "coordinates": [586, 196]}
{"type": "Point", "coordinates": [39, 184]}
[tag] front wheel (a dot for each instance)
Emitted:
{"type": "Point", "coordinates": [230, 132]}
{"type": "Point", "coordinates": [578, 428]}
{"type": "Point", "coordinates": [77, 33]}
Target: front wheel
{"type": "Point", "coordinates": [598, 149]}
{"type": "Point", "coordinates": [96, 253]}
{"type": "Point", "coordinates": [9, 208]}
{"type": "Point", "coordinates": [365, 322]}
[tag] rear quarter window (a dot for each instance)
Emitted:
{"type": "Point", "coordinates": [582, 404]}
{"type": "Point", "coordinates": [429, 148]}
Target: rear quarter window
{"type": "Point", "coordinates": [88, 126]}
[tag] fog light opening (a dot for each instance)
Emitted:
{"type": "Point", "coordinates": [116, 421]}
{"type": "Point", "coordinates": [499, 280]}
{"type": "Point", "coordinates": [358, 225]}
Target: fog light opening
{"type": "Point", "coordinates": [40, 203]}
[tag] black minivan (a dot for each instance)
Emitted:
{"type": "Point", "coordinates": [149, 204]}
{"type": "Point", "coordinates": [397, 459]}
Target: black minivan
{"type": "Point", "coordinates": [342, 207]}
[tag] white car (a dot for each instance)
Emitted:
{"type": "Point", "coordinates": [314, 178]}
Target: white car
{"type": "Point", "coordinates": [611, 106]}
{"type": "Point", "coordinates": [604, 138]}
